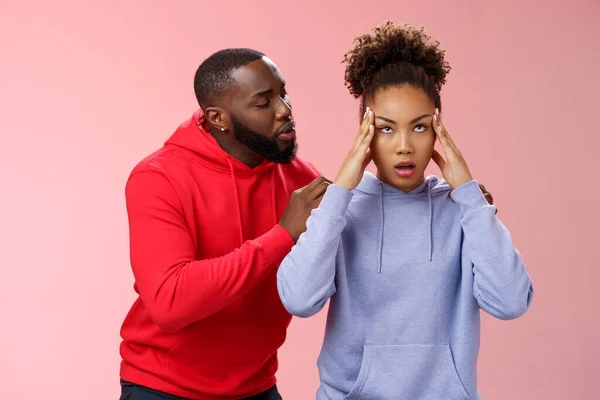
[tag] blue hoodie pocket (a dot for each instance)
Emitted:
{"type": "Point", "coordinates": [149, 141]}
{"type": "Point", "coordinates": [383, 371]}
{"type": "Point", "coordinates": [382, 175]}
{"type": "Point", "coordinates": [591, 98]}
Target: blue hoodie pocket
{"type": "Point", "coordinates": [411, 372]}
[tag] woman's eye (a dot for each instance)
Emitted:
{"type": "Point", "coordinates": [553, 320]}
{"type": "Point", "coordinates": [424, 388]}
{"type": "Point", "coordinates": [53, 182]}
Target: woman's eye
{"type": "Point", "coordinates": [385, 129]}
{"type": "Point", "coordinates": [420, 128]}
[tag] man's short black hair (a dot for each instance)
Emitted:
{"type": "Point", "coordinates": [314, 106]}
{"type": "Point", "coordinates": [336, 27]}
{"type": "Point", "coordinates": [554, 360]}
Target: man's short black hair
{"type": "Point", "coordinates": [213, 76]}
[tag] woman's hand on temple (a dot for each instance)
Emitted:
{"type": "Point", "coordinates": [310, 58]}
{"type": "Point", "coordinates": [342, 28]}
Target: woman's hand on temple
{"type": "Point", "coordinates": [454, 167]}
{"type": "Point", "coordinates": [359, 156]}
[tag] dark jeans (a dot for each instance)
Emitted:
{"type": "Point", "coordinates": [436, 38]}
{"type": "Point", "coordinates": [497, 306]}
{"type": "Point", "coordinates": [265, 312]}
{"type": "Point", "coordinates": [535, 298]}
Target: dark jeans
{"type": "Point", "coordinates": [131, 391]}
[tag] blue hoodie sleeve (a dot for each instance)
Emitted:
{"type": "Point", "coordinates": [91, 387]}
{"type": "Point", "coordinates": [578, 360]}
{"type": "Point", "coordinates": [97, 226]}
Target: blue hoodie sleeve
{"type": "Point", "coordinates": [502, 285]}
{"type": "Point", "coordinates": [306, 276]}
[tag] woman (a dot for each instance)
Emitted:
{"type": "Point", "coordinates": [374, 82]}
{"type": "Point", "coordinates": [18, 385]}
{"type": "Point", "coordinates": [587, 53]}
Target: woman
{"type": "Point", "coordinates": [407, 261]}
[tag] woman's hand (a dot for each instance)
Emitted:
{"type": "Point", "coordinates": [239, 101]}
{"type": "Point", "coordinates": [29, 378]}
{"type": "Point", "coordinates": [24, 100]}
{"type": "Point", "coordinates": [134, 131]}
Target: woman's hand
{"type": "Point", "coordinates": [454, 168]}
{"type": "Point", "coordinates": [359, 156]}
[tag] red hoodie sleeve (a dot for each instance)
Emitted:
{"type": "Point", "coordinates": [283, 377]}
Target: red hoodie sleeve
{"type": "Point", "coordinates": [176, 289]}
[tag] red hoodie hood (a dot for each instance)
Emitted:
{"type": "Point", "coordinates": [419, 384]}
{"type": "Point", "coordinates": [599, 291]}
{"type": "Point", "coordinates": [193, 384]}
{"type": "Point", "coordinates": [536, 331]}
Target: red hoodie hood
{"type": "Point", "coordinates": [194, 135]}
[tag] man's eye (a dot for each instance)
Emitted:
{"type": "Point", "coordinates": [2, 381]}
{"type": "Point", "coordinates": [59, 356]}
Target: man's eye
{"type": "Point", "coordinates": [264, 105]}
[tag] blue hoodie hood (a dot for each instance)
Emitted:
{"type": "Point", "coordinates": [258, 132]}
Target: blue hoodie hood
{"type": "Point", "coordinates": [431, 187]}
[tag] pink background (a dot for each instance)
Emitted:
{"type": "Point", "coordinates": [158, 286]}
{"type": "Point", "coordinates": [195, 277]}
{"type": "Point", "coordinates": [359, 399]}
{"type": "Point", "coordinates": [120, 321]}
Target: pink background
{"type": "Point", "coordinates": [88, 90]}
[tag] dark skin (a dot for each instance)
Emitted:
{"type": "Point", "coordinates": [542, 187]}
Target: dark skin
{"type": "Point", "coordinates": [259, 101]}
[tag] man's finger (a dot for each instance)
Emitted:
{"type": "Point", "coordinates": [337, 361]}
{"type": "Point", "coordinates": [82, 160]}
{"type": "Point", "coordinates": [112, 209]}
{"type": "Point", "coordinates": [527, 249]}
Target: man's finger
{"type": "Point", "coordinates": [319, 190]}
{"type": "Point", "coordinates": [317, 202]}
{"type": "Point", "coordinates": [315, 183]}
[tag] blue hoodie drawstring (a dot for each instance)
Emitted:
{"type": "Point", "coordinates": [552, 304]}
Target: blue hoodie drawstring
{"type": "Point", "coordinates": [430, 220]}
{"type": "Point", "coordinates": [429, 227]}
{"type": "Point", "coordinates": [381, 230]}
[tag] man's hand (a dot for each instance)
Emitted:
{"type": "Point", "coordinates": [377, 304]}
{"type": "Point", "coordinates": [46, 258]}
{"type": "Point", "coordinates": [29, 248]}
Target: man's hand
{"type": "Point", "coordinates": [301, 204]}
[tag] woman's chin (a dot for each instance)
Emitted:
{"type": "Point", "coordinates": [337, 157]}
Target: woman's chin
{"type": "Point", "coordinates": [402, 180]}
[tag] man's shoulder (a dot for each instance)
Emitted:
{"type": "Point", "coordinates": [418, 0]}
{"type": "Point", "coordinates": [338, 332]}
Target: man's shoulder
{"type": "Point", "coordinates": [160, 160]}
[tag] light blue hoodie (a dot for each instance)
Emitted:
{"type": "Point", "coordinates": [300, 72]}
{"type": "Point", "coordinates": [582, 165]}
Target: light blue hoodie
{"type": "Point", "coordinates": [407, 274]}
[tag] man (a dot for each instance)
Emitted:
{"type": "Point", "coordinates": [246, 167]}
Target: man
{"type": "Point", "coordinates": [211, 216]}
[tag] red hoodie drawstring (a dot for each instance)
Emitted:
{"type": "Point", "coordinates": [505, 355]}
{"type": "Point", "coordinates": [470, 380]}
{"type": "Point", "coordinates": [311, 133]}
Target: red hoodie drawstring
{"type": "Point", "coordinates": [273, 196]}
{"type": "Point", "coordinates": [237, 201]}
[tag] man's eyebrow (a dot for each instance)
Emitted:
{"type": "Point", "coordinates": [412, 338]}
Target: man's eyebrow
{"type": "Point", "coordinates": [262, 93]}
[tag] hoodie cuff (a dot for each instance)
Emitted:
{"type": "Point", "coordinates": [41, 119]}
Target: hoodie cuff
{"type": "Point", "coordinates": [336, 200]}
{"type": "Point", "coordinates": [469, 196]}
{"type": "Point", "coordinates": [275, 244]}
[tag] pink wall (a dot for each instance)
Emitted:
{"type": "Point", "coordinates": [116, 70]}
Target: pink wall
{"type": "Point", "coordinates": [88, 90]}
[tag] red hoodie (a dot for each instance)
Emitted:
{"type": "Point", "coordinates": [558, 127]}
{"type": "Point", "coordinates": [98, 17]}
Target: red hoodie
{"type": "Point", "coordinates": [205, 247]}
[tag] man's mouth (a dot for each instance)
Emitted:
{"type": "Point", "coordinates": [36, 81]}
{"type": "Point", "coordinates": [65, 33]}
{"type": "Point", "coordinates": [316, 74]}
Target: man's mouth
{"type": "Point", "coordinates": [287, 132]}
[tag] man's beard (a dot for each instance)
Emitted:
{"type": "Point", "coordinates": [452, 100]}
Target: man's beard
{"type": "Point", "coordinates": [262, 145]}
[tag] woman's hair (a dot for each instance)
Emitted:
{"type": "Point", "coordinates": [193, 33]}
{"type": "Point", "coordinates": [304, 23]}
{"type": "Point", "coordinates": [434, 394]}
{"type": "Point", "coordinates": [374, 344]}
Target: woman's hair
{"type": "Point", "coordinates": [393, 55]}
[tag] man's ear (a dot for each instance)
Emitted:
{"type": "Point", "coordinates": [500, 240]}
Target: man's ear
{"type": "Point", "coordinates": [217, 118]}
